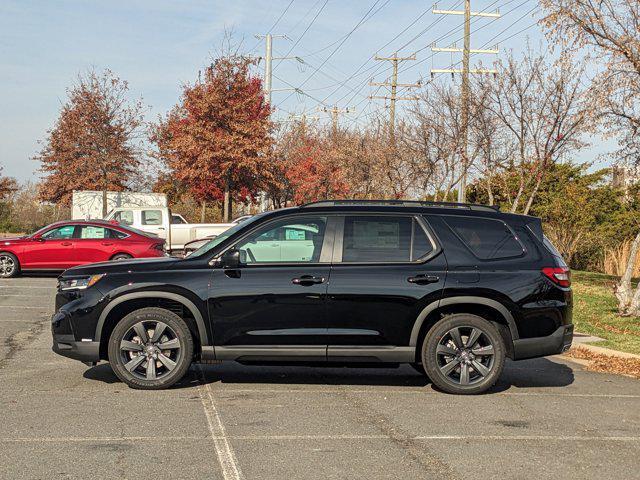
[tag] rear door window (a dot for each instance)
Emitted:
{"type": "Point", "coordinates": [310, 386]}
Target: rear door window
{"type": "Point", "coordinates": [487, 238]}
{"type": "Point", "coordinates": [93, 232]}
{"type": "Point", "coordinates": [382, 239]}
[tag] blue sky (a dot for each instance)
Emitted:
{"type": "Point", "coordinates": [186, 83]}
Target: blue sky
{"type": "Point", "coordinates": [159, 45]}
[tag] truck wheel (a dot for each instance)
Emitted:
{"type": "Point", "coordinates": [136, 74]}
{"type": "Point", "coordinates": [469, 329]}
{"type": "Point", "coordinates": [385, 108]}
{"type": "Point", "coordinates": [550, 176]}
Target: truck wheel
{"type": "Point", "coordinates": [150, 349]}
{"type": "Point", "coordinates": [463, 354]}
{"type": "Point", "coordinates": [9, 265]}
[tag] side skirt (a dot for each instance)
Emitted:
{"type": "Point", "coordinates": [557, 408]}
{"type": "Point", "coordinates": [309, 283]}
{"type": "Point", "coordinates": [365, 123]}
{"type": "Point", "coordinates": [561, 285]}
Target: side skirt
{"type": "Point", "coordinates": [302, 353]}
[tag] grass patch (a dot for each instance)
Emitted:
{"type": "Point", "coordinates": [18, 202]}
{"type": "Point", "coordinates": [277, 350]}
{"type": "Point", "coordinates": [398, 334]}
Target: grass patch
{"type": "Point", "coordinates": [595, 312]}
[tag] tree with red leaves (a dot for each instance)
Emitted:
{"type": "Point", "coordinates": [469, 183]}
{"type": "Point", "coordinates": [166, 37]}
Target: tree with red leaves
{"type": "Point", "coordinates": [217, 139]}
{"type": "Point", "coordinates": [8, 185]}
{"type": "Point", "coordinates": [93, 143]}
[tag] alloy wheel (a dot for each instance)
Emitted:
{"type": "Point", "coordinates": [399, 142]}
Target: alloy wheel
{"type": "Point", "coordinates": [7, 266]}
{"type": "Point", "coordinates": [465, 355]}
{"type": "Point", "coordinates": [150, 350]}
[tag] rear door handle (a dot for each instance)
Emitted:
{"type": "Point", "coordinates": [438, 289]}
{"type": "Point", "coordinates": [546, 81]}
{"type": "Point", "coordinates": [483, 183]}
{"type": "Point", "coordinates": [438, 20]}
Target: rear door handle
{"type": "Point", "coordinates": [307, 280]}
{"type": "Point", "coordinates": [66, 244]}
{"type": "Point", "coordinates": [423, 279]}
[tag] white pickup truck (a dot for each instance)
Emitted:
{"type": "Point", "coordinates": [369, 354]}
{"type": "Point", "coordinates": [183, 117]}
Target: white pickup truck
{"type": "Point", "coordinates": [170, 226]}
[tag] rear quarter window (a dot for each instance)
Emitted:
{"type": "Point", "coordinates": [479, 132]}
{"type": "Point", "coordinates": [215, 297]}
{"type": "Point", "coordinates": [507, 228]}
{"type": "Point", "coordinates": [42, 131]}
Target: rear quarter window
{"type": "Point", "coordinates": [487, 238]}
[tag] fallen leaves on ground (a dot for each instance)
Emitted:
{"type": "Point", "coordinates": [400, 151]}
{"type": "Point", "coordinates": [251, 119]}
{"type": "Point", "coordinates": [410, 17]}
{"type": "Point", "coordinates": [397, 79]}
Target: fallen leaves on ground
{"type": "Point", "coordinates": [607, 363]}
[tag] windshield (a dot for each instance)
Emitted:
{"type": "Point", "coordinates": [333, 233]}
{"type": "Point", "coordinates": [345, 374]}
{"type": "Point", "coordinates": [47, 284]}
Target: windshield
{"type": "Point", "coordinates": [214, 242]}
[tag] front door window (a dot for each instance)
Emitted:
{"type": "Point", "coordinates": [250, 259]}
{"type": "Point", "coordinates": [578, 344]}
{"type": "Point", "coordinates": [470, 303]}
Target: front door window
{"type": "Point", "coordinates": [293, 240]}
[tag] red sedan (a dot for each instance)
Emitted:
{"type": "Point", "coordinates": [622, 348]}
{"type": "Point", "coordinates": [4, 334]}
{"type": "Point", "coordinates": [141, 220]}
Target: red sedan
{"type": "Point", "coordinates": [63, 245]}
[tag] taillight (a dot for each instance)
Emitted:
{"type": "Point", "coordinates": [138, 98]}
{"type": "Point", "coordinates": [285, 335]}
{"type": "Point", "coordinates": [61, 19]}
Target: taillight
{"type": "Point", "coordinates": [558, 275]}
{"type": "Point", "coordinates": [158, 246]}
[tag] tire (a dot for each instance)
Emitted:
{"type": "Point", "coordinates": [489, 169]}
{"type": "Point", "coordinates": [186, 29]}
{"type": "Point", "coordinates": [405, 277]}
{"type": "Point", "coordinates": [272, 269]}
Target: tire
{"type": "Point", "coordinates": [419, 368]}
{"type": "Point", "coordinates": [455, 368]}
{"type": "Point", "coordinates": [168, 364]}
{"type": "Point", "coordinates": [9, 265]}
{"type": "Point", "coordinates": [121, 256]}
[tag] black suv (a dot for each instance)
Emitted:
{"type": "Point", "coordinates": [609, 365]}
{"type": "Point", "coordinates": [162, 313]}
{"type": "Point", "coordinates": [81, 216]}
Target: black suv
{"type": "Point", "coordinates": [451, 289]}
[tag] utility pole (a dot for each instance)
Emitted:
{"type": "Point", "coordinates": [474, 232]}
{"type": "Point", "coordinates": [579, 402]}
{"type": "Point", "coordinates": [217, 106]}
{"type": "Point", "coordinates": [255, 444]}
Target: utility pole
{"type": "Point", "coordinates": [335, 112]}
{"type": "Point", "coordinates": [465, 93]}
{"type": "Point", "coordinates": [268, 64]}
{"type": "Point", "coordinates": [395, 60]}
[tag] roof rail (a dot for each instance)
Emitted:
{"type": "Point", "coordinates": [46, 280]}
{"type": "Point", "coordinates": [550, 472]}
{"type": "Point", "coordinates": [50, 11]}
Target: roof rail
{"type": "Point", "coordinates": [402, 203]}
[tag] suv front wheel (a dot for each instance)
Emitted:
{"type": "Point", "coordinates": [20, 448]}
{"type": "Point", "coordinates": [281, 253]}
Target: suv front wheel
{"type": "Point", "coordinates": [150, 348]}
{"type": "Point", "coordinates": [463, 354]}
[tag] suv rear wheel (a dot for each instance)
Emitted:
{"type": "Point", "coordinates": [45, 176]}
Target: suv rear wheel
{"type": "Point", "coordinates": [463, 354]}
{"type": "Point", "coordinates": [150, 348]}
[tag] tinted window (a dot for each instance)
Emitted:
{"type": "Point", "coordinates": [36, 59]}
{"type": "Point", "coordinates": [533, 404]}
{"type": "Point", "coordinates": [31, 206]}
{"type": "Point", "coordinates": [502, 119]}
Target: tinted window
{"type": "Point", "coordinates": [177, 219]}
{"type": "Point", "coordinates": [422, 246]}
{"type": "Point", "coordinates": [377, 239]}
{"type": "Point", "coordinates": [60, 232]}
{"type": "Point", "coordinates": [486, 238]}
{"type": "Point", "coordinates": [293, 240]}
{"type": "Point", "coordinates": [152, 217]}
{"type": "Point", "coordinates": [124, 217]}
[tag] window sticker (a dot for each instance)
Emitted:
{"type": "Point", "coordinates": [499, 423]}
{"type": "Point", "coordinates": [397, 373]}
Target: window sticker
{"type": "Point", "coordinates": [367, 234]}
{"type": "Point", "coordinates": [291, 234]}
{"type": "Point", "coordinates": [92, 232]}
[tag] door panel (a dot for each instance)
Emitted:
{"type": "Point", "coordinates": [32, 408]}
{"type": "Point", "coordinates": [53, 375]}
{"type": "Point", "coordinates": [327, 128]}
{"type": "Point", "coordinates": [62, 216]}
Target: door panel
{"type": "Point", "coordinates": [376, 304]}
{"type": "Point", "coordinates": [93, 244]}
{"type": "Point", "coordinates": [273, 306]}
{"type": "Point", "coordinates": [53, 250]}
{"type": "Point", "coordinates": [263, 306]}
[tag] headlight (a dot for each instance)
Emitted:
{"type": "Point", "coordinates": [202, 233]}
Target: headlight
{"type": "Point", "coordinates": [79, 283]}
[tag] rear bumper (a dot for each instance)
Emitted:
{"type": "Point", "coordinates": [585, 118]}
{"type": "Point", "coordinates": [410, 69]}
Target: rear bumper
{"type": "Point", "coordinates": [558, 342]}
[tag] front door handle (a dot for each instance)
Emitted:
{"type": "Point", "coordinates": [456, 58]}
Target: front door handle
{"type": "Point", "coordinates": [423, 279]}
{"type": "Point", "coordinates": [107, 244]}
{"type": "Point", "coordinates": [66, 244]}
{"type": "Point", "coordinates": [307, 280]}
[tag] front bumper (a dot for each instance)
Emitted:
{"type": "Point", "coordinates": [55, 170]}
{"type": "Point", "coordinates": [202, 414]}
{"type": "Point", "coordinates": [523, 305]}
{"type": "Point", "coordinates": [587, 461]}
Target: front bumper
{"type": "Point", "coordinates": [66, 345]}
{"type": "Point", "coordinates": [558, 342]}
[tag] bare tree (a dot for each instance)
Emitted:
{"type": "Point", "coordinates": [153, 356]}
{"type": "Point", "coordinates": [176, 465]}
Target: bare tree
{"type": "Point", "coordinates": [612, 29]}
{"type": "Point", "coordinates": [546, 111]}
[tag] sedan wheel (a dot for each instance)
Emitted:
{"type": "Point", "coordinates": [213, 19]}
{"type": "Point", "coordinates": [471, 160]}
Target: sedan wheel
{"type": "Point", "coordinates": [150, 348]}
{"type": "Point", "coordinates": [9, 266]}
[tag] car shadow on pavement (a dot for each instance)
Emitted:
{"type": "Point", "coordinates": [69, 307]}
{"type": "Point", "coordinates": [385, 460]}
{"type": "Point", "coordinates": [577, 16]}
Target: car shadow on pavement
{"type": "Point", "coordinates": [536, 373]}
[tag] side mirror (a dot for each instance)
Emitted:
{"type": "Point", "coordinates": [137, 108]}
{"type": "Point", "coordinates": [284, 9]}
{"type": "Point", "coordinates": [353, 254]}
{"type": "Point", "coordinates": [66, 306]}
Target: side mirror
{"type": "Point", "coordinates": [230, 259]}
{"type": "Point", "coordinates": [38, 239]}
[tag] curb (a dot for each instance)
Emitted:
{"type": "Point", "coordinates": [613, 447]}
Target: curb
{"type": "Point", "coordinates": [605, 351]}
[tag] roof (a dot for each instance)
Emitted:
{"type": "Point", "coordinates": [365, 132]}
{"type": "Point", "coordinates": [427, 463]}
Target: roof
{"type": "Point", "coordinates": [400, 203]}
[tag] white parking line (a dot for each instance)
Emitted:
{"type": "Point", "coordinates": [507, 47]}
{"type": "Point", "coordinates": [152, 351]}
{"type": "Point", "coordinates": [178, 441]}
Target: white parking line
{"type": "Point", "coordinates": [236, 473]}
{"type": "Point", "coordinates": [23, 306]}
{"type": "Point", "coordinates": [226, 457]}
{"type": "Point", "coordinates": [50, 287]}
{"type": "Point", "coordinates": [421, 391]}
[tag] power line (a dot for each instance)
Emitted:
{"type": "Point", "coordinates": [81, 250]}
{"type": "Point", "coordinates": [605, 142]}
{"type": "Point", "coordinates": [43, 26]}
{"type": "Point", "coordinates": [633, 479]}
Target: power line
{"type": "Point", "coordinates": [305, 30]}
{"type": "Point", "coordinates": [339, 45]}
{"type": "Point", "coordinates": [275, 24]}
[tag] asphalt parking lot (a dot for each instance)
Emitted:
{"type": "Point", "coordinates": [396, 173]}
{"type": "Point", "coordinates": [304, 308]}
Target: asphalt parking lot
{"type": "Point", "coordinates": [547, 418]}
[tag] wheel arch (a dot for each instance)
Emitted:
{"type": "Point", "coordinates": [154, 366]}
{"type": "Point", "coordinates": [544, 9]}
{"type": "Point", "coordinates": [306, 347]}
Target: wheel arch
{"type": "Point", "coordinates": [121, 252]}
{"type": "Point", "coordinates": [124, 304]}
{"type": "Point", "coordinates": [487, 308]}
